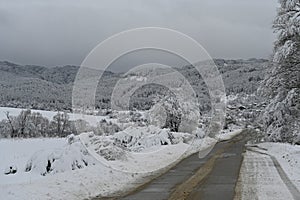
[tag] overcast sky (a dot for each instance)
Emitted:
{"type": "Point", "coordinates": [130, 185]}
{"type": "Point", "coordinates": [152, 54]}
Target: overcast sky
{"type": "Point", "coordinates": [60, 32]}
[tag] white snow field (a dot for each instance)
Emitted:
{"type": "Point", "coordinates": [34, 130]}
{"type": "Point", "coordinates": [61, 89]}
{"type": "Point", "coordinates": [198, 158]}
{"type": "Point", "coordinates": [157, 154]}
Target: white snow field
{"type": "Point", "coordinates": [91, 119]}
{"type": "Point", "coordinates": [89, 165]}
{"type": "Point", "coordinates": [99, 177]}
{"type": "Point", "coordinates": [270, 171]}
{"type": "Point", "coordinates": [288, 157]}
{"type": "Point", "coordinates": [16, 152]}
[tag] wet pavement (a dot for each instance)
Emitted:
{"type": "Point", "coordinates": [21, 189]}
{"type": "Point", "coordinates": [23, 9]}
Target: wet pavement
{"type": "Point", "coordinates": [219, 183]}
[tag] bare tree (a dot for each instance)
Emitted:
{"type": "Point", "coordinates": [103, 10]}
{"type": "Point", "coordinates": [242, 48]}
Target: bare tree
{"type": "Point", "coordinates": [13, 130]}
{"type": "Point", "coordinates": [61, 125]}
{"type": "Point", "coordinates": [22, 122]}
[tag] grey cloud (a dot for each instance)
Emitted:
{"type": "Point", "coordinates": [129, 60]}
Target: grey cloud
{"type": "Point", "coordinates": [59, 32]}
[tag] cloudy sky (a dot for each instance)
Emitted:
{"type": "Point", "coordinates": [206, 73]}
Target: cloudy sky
{"type": "Point", "coordinates": [60, 32]}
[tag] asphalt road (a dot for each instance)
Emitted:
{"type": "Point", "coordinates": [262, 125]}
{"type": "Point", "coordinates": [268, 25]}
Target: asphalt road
{"type": "Point", "coordinates": [221, 181]}
{"type": "Point", "coordinates": [212, 177]}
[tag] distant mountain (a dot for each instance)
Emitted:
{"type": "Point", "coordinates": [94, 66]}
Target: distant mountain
{"type": "Point", "coordinates": [47, 88]}
{"type": "Point", "coordinates": [59, 75]}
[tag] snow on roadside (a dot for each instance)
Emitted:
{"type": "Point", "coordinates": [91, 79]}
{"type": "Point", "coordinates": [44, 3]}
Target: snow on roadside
{"type": "Point", "coordinates": [228, 134]}
{"type": "Point", "coordinates": [99, 179]}
{"type": "Point", "coordinates": [71, 184]}
{"type": "Point", "coordinates": [154, 158]}
{"type": "Point", "coordinates": [288, 157]}
{"type": "Point", "coordinates": [115, 173]}
{"type": "Point", "coordinates": [259, 176]}
{"type": "Point", "coordinates": [259, 179]}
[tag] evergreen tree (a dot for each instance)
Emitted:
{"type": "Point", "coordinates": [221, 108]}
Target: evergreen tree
{"type": "Point", "coordinates": [281, 118]}
{"type": "Point", "coordinates": [287, 25]}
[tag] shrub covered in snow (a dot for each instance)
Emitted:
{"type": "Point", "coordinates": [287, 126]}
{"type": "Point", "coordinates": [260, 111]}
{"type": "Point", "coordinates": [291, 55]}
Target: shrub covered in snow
{"type": "Point", "coordinates": [106, 128]}
{"type": "Point", "coordinates": [10, 170]}
{"type": "Point", "coordinates": [190, 116]}
{"type": "Point", "coordinates": [82, 126]}
{"type": "Point", "coordinates": [112, 153]}
{"type": "Point", "coordinates": [70, 157]}
{"type": "Point", "coordinates": [199, 133]}
{"type": "Point", "coordinates": [139, 138]}
{"type": "Point", "coordinates": [105, 146]}
{"type": "Point", "coordinates": [157, 115]}
{"type": "Point", "coordinates": [32, 124]}
{"type": "Point", "coordinates": [131, 117]}
{"type": "Point", "coordinates": [61, 125]}
{"type": "Point", "coordinates": [178, 115]}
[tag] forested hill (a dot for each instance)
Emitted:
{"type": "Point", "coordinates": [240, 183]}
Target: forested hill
{"type": "Point", "coordinates": [50, 88]}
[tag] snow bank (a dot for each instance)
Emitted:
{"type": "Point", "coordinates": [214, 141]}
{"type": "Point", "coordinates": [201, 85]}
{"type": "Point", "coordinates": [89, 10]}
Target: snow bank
{"type": "Point", "coordinates": [145, 149]}
{"type": "Point", "coordinates": [17, 152]}
{"type": "Point", "coordinates": [68, 176]}
{"type": "Point", "coordinates": [259, 175]}
{"type": "Point", "coordinates": [259, 179]}
{"type": "Point", "coordinates": [288, 157]}
{"type": "Point", "coordinates": [71, 156]}
{"type": "Point", "coordinates": [140, 138]}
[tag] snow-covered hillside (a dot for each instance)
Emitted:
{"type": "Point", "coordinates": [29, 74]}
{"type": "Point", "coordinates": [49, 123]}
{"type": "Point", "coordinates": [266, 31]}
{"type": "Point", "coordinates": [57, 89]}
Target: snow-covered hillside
{"type": "Point", "coordinates": [39, 87]}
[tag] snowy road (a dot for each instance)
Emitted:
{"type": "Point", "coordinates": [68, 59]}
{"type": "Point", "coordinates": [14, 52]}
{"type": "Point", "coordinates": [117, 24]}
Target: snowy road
{"type": "Point", "coordinates": [291, 187]}
{"type": "Point", "coordinates": [193, 177]}
{"type": "Point", "coordinates": [221, 181]}
{"type": "Point", "coordinates": [262, 175]}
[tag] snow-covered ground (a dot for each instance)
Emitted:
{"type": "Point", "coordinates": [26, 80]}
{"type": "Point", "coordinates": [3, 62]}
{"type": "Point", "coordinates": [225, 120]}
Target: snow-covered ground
{"type": "Point", "coordinates": [270, 171]}
{"type": "Point", "coordinates": [228, 134]}
{"type": "Point", "coordinates": [17, 152]}
{"type": "Point", "coordinates": [92, 119]}
{"type": "Point", "coordinates": [98, 178]}
{"type": "Point", "coordinates": [88, 165]}
{"type": "Point", "coordinates": [289, 158]}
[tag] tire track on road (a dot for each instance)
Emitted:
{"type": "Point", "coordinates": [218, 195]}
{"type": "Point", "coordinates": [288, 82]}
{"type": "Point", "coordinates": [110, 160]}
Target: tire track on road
{"type": "Point", "coordinates": [217, 178]}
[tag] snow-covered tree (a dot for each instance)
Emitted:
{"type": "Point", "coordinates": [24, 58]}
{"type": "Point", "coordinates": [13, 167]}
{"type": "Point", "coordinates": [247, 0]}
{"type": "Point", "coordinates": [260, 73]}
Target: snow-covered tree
{"type": "Point", "coordinates": [287, 25]}
{"type": "Point", "coordinates": [16, 126]}
{"type": "Point", "coordinates": [106, 128]}
{"type": "Point", "coordinates": [61, 125]}
{"type": "Point", "coordinates": [166, 113]}
{"type": "Point", "coordinates": [176, 113]}
{"type": "Point", "coordinates": [5, 129]}
{"type": "Point", "coordinates": [37, 125]}
{"type": "Point", "coordinates": [282, 86]}
{"type": "Point", "coordinates": [32, 124]}
{"type": "Point", "coordinates": [22, 123]}
{"type": "Point", "coordinates": [10, 126]}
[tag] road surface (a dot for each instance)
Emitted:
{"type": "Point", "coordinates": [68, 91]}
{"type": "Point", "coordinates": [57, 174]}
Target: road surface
{"type": "Point", "coordinates": [212, 177]}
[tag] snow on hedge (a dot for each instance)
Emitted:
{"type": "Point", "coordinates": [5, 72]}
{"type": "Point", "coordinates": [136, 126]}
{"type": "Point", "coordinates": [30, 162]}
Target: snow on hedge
{"type": "Point", "coordinates": [140, 138]}
{"type": "Point", "coordinates": [69, 168]}
{"type": "Point", "coordinates": [16, 153]}
{"type": "Point", "coordinates": [30, 159]}
{"type": "Point", "coordinates": [70, 157]}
